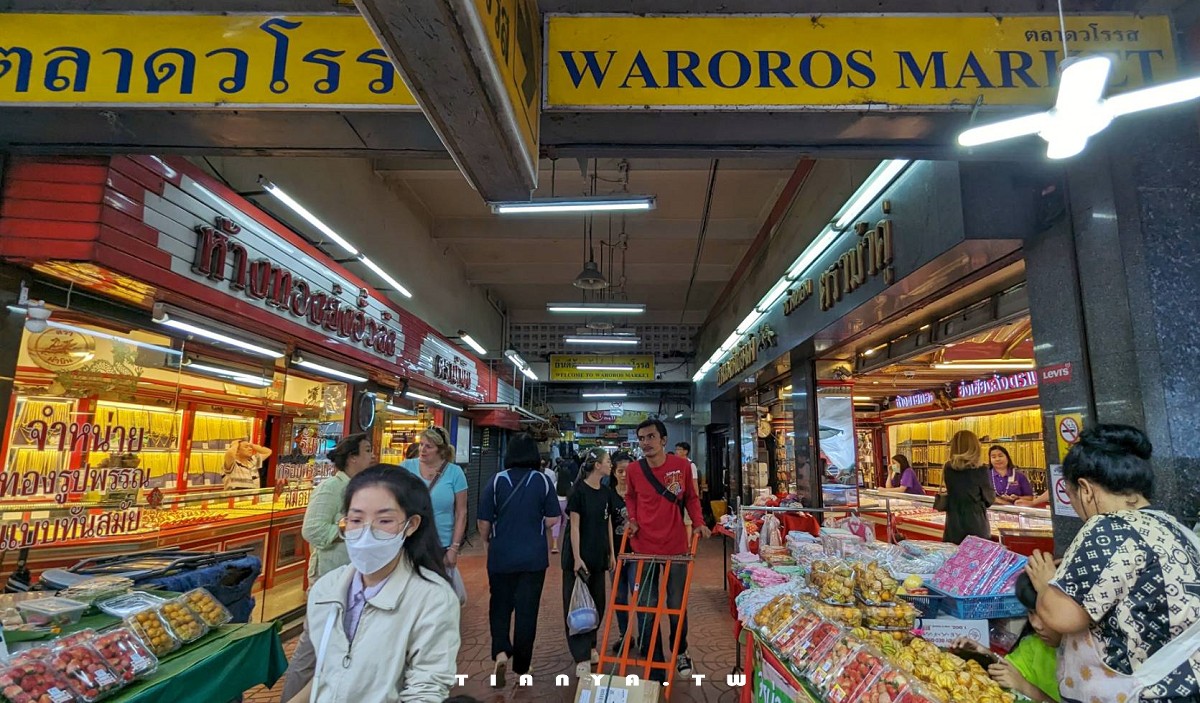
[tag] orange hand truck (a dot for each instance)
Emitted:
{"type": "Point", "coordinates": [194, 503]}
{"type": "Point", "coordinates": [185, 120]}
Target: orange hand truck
{"type": "Point", "coordinates": [648, 600]}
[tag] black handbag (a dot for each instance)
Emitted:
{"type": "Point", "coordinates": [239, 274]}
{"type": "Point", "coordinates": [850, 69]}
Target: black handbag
{"type": "Point", "coordinates": [941, 501]}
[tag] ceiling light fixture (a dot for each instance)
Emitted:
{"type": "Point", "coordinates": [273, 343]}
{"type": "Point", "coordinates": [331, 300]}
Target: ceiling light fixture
{"type": "Point", "coordinates": [402, 411]}
{"type": "Point", "coordinates": [1079, 111]}
{"type": "Point", "coordinates": [241, 377]}
{"type": "Point", "coordinates": [162, 317]}
{"type": "Point", "coordinates": [520, 363]}
{"type": "Point", "coordinates": [863, 398]}
{"type": "Point", "coordinates": [679, 415]}
{"type": "Point", "coordinates": [603, 367]}
{"type": "Point", "coordinates": [470, 341]}
{"type": "Point", "coordinates": [879, 180]}
{"type": "Point", "coordinates": [603, 394]}
{"type": "Point", "coordinates": [597, 308]}
{"type": "Point", "coordinates": [303, 212]}
{"type": "Point", "coordinates": [96, 333]}
{"type": "Point", "coordinates": [399, 287]}
{"type": "Point", "coordinates": [606, 203]}
{"type": "Point", "coordinates": [435, 401]}
{"type": "Point", "coordinates": [590, 278]}
{"type": "Point", "coordinates": [298, 360]}
{"type": "Point", "coordinates": [974, 366]}
{"type": "Point", "coordinates": [600, 339]}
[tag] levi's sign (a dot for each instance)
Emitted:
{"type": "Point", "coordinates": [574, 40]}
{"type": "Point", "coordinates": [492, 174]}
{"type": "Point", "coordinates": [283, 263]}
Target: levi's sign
{"type": "Point", "coordinates": [221, 257]}
{"type": "Point", "coordinates": [781, 62]}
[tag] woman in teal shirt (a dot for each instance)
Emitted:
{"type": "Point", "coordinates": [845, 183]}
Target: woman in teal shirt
{"type": "Point", "coordinates": [447, 487]}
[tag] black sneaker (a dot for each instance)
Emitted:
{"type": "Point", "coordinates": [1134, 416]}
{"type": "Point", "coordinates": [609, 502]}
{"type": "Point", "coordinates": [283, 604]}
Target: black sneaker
{"type": "Point", "coordinates": [684, 667]}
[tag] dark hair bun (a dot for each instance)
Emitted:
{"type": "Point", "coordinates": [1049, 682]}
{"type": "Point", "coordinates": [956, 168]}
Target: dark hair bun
{"type": "Point", "coordinates": [1121, 439]}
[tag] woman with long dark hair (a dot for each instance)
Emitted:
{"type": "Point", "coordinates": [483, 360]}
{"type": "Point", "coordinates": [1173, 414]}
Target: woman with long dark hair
{"type": "Point", "coordinates": [969, 490]}
{"type": "Point", "coordinates": [588, 553]}
{"type": "Point", "coordinates": [903, 478]}
{"type": "Point", "coordinates": [1009, 483]}
{"type": "Point", "coordinates": [386, 626]}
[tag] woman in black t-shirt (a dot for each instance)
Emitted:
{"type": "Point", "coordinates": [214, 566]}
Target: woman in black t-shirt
{"type": "Point", "coordinates": [588, 552]}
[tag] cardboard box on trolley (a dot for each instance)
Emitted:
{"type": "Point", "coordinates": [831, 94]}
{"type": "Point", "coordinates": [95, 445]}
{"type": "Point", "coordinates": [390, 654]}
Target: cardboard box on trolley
{"type": "Point", "coordinates": [616, 689]}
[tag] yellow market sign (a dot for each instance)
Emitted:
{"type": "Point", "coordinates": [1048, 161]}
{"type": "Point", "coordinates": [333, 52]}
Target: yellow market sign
{"type": "Point", "coordinates": [566, 367]}
{"type": "Point", "coordinates": [514, 34]}
{"type": "Point", "coordinates": [831, 61]}
{"type": "Point", "coordinates": [327, 61]}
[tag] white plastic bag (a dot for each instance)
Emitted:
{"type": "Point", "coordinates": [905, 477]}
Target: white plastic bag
{"type": "Point", "coordinates": [460, 588]}
{"type": "Point", "coordinates": [582, 616]}
{"type": "Point", "coordinates": [770, 535]}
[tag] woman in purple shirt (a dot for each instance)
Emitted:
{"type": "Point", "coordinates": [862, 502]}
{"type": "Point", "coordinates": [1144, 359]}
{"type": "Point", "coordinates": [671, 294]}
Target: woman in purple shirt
{"type": "Point", "coordinates": [903, 478]}
{"type": "Point", "coordinates": [1008, 482]}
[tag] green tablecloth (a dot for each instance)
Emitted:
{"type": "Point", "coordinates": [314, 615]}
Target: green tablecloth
{"type": "Point", "coordinates": [218, 668]}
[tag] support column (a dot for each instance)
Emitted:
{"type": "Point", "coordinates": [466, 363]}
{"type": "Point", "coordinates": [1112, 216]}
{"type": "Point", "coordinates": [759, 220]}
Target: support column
{"type": "Point", "coordinates": [1114, 288]}
{"type": "Point", "coordinates": [804, 424]}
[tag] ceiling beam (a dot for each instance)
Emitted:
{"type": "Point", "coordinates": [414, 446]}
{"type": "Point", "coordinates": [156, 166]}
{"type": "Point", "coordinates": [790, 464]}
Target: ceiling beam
{"type": "Point", "coordinates": [446, 52]}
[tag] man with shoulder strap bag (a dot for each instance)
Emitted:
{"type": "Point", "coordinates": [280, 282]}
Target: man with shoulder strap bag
{"type": "Point", "coordinates": [516, 510]}
{"type": "Point", "coordinates": [661, 490]}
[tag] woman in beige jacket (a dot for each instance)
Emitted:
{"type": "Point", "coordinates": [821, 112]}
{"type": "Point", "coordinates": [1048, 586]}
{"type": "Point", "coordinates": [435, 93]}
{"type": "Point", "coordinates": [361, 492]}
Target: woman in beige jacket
{"type": "Point", "coordinates": [386, 626]}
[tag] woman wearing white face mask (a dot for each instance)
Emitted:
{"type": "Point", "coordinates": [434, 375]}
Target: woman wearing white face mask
{"type": "Point", "coordinates": [386, 626]}
{"type": "Point", "coordinates": [1127, 594]}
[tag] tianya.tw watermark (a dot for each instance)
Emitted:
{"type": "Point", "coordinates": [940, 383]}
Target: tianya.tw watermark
{"type": "Point", "coordinates": [565, 681]}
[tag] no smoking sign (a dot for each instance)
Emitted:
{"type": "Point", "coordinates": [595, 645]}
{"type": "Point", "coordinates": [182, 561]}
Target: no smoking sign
{"type": "Point", "coordinates": [1069, 426]}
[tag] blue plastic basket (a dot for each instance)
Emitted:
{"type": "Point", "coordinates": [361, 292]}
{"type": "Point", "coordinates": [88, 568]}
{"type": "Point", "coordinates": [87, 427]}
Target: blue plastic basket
{"type": "Point", "coordinates": [1002, 605]}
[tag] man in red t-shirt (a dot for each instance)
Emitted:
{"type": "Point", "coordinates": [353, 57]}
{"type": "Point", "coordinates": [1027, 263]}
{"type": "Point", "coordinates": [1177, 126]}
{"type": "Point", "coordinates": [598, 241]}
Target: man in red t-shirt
{"type": "Point", "coordinates": [656, 527]}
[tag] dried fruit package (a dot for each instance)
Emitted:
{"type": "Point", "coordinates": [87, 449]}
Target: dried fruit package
{"type": "Point", "coordinates": [823, 668]}
{"type": "Point", "coordinates": [125, 654]}
{"type": "Point", "coordinates": [186, 625]}
{"type": "Point", "coordinates": [86, 673]}
{"type": "Point", "coordinates": [153, 631]}
{"type": "Point", "coordinates": [899, 616]}
{"type": "Point", "coordinates": [834, 581]}
{"type": "Point", "coordinates": [206, 605]}
{"type": "Point", "coordinates": [34, 681]}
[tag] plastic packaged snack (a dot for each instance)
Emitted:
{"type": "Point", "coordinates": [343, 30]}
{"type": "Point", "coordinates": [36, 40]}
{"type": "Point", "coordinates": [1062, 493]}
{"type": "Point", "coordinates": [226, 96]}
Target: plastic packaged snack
{"type": "Point", "coordinates": [818, 641]}
{"type": "Point", "coordinates": [34, 681]}
{"type": "Point", "coordinates": [901, 616]}
{"type": "Point", "coordinates": [128, 604]}
{"type": "Point", "coordinates": [848, 615]}
{"type": "Point", "coordinates": [30, 654]}
{"type": "Point", "coordinates": [917, 693]}
{"type": "Point", "coordinates": [52, 611]}
{"type": "Point", "coordinates": [854, 674]}
{"type": "Point", "coordinates": [97, 588]}
{"type": "Point", "coordinates": [85, 671]}
{"type": "Point", "coordinates": [874, 585]}
{"type": "Point", "coordinates": [186, 625]}
{"type": "Point", "coordinates": [823, 668]}
{"type": "Point", "coordinates": [126, 655]}
{"type": "Point", "coordinates": [774, 610]}
{"type": "Point", "coordinates": [80, 637]}
{"type": "Point", "coordinates": [794, 632]}
{"type": "Point", "coordinates": [206, 605]}
{"type": "Point", "coordinates": [153, 632]}
{"type": "Point", "coordinates": [834, 581]}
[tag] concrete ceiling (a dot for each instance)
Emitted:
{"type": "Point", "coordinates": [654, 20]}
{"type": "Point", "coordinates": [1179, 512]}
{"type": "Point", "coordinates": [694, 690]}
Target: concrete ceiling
{"type": "Point", "coordinates": [527, 261]}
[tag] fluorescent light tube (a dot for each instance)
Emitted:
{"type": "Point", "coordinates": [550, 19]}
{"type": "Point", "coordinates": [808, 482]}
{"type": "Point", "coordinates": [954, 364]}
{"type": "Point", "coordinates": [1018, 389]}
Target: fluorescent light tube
{"type": "Point", "coordinates": [384, 275]}
{"type": "Point", "coordinates": [218, 337]}
{"type": "Point", "coordinates": [603, 394]}
{"type": "Point", "coordinates": [699, 376]}
{"type": "Point", "coordinates": [238, 376]}
{"type": "Point", "coordinates": [679, 415]}
{"type": "Point", "coordinates": [597, 308]}
{"type": "Point", "coordinates": [600, 339]}
{"type": "Point", "coordinates": [1003, 366]}
{"type": "Point", "coordinates": [97, 333]}
{"type": "Point", "coordinates": [863, 398]}
{"type": "Point", "coordinates": [402, 411]}
{"type": "Point", "coordinates": [312, 219]}
{"type": "Point", "coordinates": [774, 294]}
{"type": "Point", "coordinates": [529, 373]}
{"type": "Point", "coordinates": [604, 367]}
{"type": "Point", "coordinates": [1153, 97]}
{"type": "Point", "coordinates": [1005, 129]}
{"type": "Point", "coordinates": [559, 205]}
{"type": "Point", "coordinates": [872, 188]}
{"type": "Point", "coordinates": [435, 401]}
{"type": "Point", "coordinates": [812, 252]}
{"type": "Point", "coordinates": [328, 371]}
{"type": "Point", "coordinates": [472, 343]}
{"type": "Point", "coordinates": [750, 321]}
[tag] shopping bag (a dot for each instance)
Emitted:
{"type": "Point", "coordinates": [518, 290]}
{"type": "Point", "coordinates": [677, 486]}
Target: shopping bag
{"type": "Point", "coordinates": [582, 616]}
{"type": "Point", "coordinates": [460, 588]}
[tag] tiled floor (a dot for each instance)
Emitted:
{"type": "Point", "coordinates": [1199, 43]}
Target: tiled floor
{"type": "Point", "coordinates": [710, 635]}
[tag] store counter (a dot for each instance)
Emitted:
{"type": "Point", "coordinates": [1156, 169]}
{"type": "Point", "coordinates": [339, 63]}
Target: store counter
{"type": "Point", "coordinates": [901, 516]}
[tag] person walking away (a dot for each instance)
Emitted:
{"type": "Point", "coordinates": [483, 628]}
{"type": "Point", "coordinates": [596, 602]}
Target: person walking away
{"type": "Point", "coordinates": [683, 450]}
{"type": "Point", "coordinates": [1127, 594]}
{"type": "Point", "coordinates": [322, 530]}
{"type": "Point", "coordinates": [243, 459]}
{"type": "Point", "coordinates": [660, 491]}
{"type": "Point", "coordinates": [447, 486]}
{"type": "Point", "coordinates": [386, 625]}
{"type": "Point", "coordinates": [620, 516]}
{"type": "Point", "coordinates": [1010, 484]}
{"type": "Point", "coordinates": [903, 478]}
{"type": "Point", "coordinates": [969, 490]}
{"type": "Point", "coordinates": [516, 510]}
{"type": "Point", "coordinates": [588, 552]}
{"type": "Point", "coordinates": [565, 475]}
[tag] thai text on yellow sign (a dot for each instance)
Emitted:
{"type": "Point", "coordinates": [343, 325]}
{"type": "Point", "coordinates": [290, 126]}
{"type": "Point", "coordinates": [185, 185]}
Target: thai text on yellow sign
{"type": "Point", "coordinates": [514, 33]}
{"type": "Point", "coordinates": [164, 60]}
{"type": "Point", "coordinates": [565, 367]}
{"type": "Point", "coordinates": [825, 61]}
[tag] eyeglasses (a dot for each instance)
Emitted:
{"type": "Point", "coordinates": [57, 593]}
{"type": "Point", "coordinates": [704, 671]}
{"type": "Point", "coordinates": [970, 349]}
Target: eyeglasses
{"type": "Point", "coordinates": [353, 530]}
